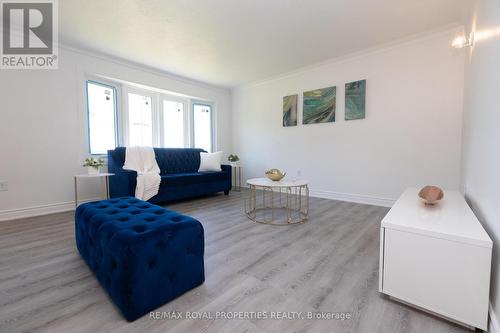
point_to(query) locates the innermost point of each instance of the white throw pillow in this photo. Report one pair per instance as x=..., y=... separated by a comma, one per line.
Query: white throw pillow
x=210, y=161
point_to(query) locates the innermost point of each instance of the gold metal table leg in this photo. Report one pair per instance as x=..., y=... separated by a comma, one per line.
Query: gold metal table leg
x=272, y=210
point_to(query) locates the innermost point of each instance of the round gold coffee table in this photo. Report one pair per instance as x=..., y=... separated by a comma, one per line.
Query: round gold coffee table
x=281, y=202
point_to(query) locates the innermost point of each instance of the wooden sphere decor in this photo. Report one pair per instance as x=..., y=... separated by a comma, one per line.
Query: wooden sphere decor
x=431, y=194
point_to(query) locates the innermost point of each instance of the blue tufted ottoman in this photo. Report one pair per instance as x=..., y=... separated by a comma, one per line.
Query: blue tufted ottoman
x=142, y=254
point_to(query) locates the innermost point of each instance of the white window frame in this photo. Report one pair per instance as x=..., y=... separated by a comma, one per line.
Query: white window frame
x=194, y=102
x=122, y=113
x=155, y=116
x=118, y=116
x=186, y=128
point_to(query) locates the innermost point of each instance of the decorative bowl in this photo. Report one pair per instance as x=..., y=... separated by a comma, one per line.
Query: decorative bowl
x=275, y=174
x=431, y=194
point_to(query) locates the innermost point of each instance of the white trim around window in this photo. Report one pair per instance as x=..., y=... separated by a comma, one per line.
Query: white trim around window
x=186, y=118
x=122, y=92
x=125, y=113
x=213, y=143
x=118, y=116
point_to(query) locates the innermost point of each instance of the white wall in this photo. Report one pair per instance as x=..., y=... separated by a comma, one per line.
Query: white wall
x=411, y=135
x=481, y=157
x=42, y=127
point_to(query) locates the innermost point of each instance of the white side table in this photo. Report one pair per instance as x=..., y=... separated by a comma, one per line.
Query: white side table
x=97, y=175
x=236, y=175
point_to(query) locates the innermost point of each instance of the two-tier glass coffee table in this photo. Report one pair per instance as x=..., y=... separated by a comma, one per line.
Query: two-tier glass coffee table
x=281, y=202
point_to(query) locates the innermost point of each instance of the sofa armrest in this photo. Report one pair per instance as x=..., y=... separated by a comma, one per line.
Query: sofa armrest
x=228, y=170
x=122, y=184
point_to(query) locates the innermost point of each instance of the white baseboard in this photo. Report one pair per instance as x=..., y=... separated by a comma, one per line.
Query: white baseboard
x=67, y=206
x=13, y=214
x=494, y=322
x=19, y=213
x=357, y=198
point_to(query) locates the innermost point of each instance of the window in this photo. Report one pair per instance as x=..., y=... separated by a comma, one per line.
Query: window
x=173, y=124
x=101, y=117
x=149, y=117
x=202, y=126
x=140, y=120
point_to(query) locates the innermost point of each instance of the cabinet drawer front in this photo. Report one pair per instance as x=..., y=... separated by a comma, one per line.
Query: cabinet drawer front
x=445, y=277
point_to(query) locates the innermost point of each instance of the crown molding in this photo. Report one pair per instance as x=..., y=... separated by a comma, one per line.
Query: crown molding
x=402, y=42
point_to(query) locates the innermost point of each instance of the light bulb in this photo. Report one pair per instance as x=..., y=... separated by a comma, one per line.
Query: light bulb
x=459, y=42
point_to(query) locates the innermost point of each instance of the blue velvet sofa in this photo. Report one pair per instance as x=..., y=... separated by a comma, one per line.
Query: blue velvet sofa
x=180, y=178
x=143, y=255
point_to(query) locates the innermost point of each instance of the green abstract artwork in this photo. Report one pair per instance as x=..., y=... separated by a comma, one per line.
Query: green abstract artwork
x=355, y=93
x=290, y=110
x=319, y=106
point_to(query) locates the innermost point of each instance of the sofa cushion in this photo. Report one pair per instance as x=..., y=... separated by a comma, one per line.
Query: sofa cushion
x=210, y=161
x=170, y=160
x=178, y=160
x=177, y=179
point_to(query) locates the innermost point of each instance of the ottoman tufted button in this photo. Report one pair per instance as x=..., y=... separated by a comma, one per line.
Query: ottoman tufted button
x=124, y=219
x=150, y=219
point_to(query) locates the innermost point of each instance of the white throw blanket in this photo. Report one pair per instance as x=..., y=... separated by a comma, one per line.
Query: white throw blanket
x=143, y=161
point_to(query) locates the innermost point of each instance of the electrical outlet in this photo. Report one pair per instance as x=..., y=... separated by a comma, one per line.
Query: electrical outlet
x=4, y=186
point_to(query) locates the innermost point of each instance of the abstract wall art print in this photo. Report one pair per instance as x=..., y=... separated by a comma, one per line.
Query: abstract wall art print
x=319, y=105
x=290, y=110
x=355, y=93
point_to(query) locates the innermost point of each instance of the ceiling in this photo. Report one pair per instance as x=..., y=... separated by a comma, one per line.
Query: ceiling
x=232, y=42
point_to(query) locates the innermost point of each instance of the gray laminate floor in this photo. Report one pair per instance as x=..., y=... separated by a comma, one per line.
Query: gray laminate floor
x=329, y=264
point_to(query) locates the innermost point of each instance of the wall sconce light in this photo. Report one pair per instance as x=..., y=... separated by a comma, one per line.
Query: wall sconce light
x=461, y=41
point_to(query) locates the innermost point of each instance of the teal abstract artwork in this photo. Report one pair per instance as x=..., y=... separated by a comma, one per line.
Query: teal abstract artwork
x=290, y=110
x=355, y=93
x=319, y=106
